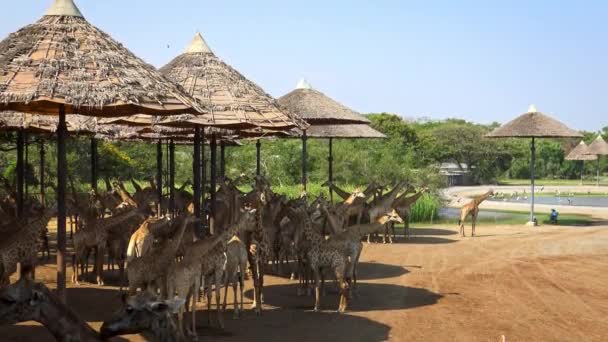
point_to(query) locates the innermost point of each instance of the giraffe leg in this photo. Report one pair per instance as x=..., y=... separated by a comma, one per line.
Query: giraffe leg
x=218, y=289
x=317, y=289
x=209, y=289
x=241, y=286
x=99, y=259
x=226, y=285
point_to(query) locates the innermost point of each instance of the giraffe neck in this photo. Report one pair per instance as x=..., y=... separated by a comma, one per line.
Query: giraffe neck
x=63, y=324
x=408, y=201
x=117, y=219
x=477, y=200
x=163, y=330
x=359, y=231
x=344, y=194
x=310, y=234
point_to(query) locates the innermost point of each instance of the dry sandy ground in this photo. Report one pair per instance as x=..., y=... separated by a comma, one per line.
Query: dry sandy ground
x=527, y=284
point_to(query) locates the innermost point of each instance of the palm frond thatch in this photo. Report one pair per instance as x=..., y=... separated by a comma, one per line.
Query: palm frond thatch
x=318, y=109
x=534, y=125
x=63, y=59
x=598, y=147
x=231, y=100
x=581, y=152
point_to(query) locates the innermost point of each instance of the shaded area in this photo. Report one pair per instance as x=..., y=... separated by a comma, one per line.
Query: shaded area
x=38, y=333
x=372, y=270
x=395, y=297
x=297, y=325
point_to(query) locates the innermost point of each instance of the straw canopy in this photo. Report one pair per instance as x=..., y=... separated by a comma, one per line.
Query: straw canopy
x=534, y=124
x=349, y=131
x=45, y=124
x=64, y=60
x=598, y=147
x=317, y=108
x=581, y=152
x=227, y=97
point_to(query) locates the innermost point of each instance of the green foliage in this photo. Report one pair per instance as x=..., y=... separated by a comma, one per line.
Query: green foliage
x=426, y=209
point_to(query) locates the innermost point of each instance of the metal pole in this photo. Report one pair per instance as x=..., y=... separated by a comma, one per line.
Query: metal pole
x=222, y=159
x=258, y=153
x=172, y=178
x=532, y=170
x=598, y=170
x=61, y=207
x=42, y=188
x=94, y=164
x=26, y=165
x=20, y=170
x=330, y=161
x=159, y=175
x=213, y=182
x=304, y=162
x=196, y=169
x=204, y=180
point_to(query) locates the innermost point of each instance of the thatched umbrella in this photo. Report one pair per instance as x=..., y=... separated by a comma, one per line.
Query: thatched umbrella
x=534, y=125
x=328, y=119
x=581, y=153
x=231, y=100
x=64, y=65
x=598, y=147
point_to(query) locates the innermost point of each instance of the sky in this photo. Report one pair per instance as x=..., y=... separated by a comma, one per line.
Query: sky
x=482, y=61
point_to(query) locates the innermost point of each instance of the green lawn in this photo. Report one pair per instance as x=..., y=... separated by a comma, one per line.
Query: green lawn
x=516, y=218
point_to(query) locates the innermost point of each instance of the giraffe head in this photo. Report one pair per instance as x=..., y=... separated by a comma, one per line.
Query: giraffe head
x=24, y=300
x=143, y=312
x=357, y=193
x=391, y=216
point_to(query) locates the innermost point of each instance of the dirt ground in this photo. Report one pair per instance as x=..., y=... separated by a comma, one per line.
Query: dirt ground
x=526, y=284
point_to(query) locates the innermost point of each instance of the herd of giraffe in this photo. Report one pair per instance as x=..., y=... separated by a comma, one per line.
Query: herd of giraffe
x=167, y=263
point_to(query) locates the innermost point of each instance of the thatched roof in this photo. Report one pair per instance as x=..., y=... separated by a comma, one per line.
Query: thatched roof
x=580, y=152
x=349, y=131
x=229, y=98
x=317, y=108
x=63, y=59
x=534, y=124
x=44, y=124
x=598, y=147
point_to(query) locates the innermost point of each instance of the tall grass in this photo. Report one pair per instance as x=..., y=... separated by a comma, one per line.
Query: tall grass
x=426, y=208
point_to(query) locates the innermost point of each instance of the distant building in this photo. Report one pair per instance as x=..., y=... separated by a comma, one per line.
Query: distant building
x=456, y=175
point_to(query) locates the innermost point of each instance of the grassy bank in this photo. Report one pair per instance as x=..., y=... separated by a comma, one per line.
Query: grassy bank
x=553, y=182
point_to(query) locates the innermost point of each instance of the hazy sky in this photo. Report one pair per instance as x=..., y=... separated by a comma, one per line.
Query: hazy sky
x=480, y=60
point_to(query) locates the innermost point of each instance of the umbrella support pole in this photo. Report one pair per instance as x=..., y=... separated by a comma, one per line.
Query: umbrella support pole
x=172, y=178
x=94, y=164
x=598, y=170
x=159, y=177
x=222, y=159
x=213, y=180
x=304, y=163
x=203, y=181
x=61, y=205
x=330, y=161
x=20, y=170
x=533, y=221
x=258, y=156
x=41, y=180
x=196, y=170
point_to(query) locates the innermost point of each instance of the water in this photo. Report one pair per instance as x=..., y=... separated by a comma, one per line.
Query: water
x=563, y=200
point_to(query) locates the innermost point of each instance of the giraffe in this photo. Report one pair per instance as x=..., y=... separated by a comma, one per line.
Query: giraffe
x=183, y=279
x=349, y=241
x=322, y=254
x=147, y=270
x=383, y=205
x=335, y=219
x=472, y=208
x=141, y=241
x=27, y=300
x=124, y=194
x=236, y=267
x=213, y=263
x=145, y=313
x=21, y=246
x=94, y=235
x=403, y=206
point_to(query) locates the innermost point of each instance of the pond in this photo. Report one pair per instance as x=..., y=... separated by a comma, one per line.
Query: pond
x=581, y=201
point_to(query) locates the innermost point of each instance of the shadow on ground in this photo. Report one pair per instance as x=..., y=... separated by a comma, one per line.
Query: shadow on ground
x=394, y=297
x=37, y=333
x=294, y=325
